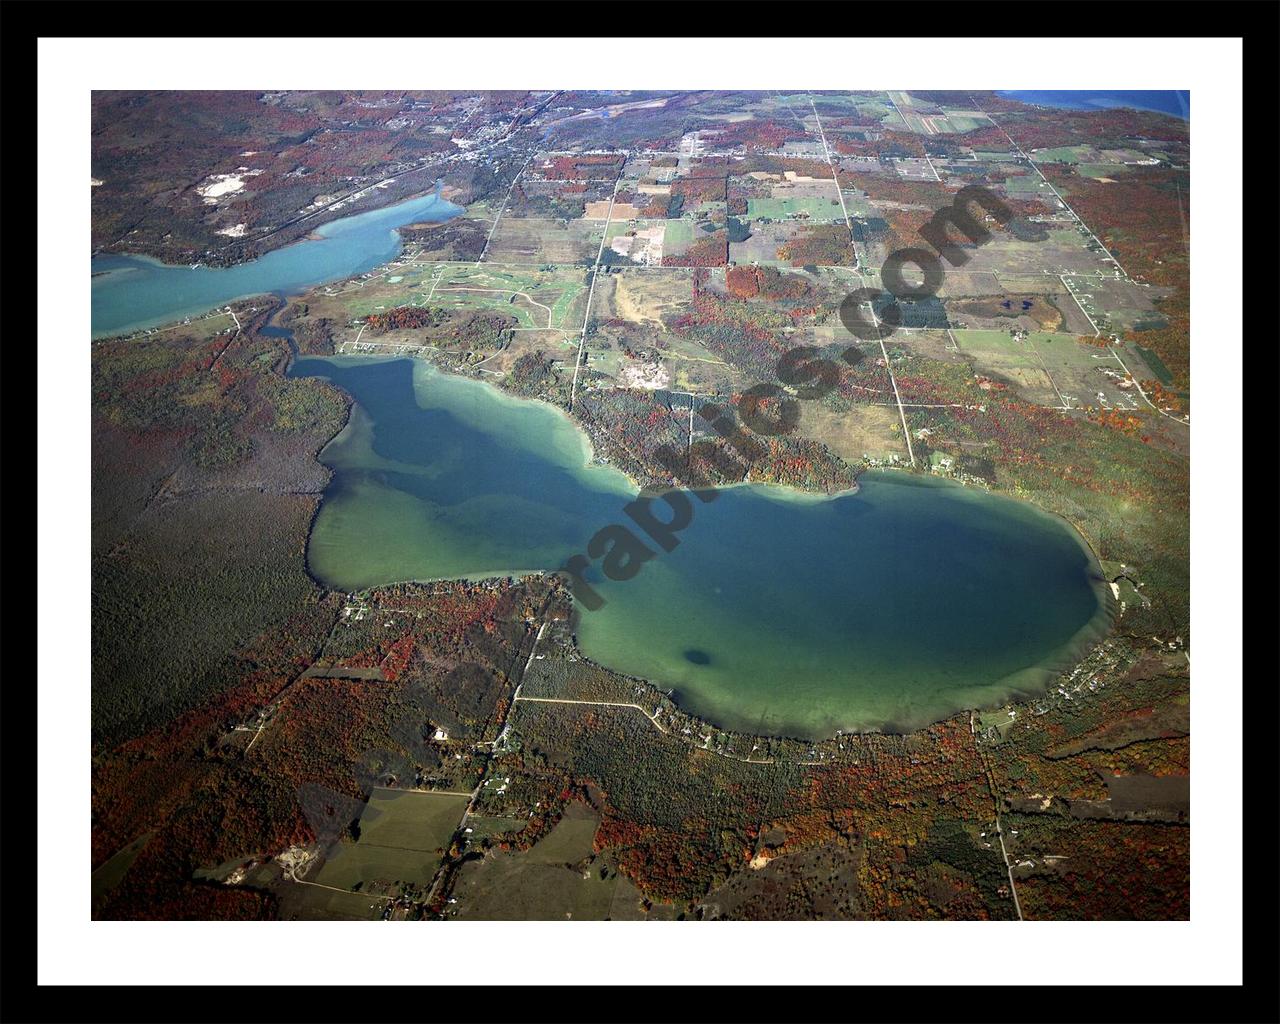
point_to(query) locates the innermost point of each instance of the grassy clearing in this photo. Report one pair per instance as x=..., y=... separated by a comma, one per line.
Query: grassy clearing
x=510, y=887
x=997, y=354
x=558, y=879
x=493, y=826
x=964, y=122
x=571, y=840
x=873, y=108
x=354, y=866
x=1084, y=374
x=312, y=903
x=678, y=235
x=1025, y=183
x=538, y=240
x=649, y=296
x=402, y=839
x=1101, y=170
x=530, y=294
x=864, y=430
x=814, y=208
x=1062, y=155
x=417, y=821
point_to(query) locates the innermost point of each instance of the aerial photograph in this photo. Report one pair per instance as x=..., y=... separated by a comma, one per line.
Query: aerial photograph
x=640, y=505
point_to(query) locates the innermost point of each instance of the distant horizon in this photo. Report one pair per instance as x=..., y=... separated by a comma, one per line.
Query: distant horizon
x=1175, y=102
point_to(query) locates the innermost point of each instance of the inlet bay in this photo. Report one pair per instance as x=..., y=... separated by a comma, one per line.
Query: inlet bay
x=133, y=292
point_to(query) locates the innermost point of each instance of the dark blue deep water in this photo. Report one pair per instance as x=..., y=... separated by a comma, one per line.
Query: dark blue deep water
x=1164, y=101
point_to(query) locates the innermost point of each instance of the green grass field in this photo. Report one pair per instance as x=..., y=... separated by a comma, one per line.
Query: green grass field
x=993, y=344
x=1049, y=367
x=1024, y=183
x=1068, y=238
x=403, y=836
x=526, y=293
x=963, y=122
x=679, y=233
x=540, y=885
x=873, y=108
x=418, y=821
x=570, y=841
x=1064, y=350
x=1062, y=155
x=1100, y=170
x=357, y=865
x=311, y=903
x=816, y=209
x=622, y=227
x=995, y=352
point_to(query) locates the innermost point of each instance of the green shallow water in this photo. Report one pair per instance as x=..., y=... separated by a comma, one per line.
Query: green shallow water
x=884, y=609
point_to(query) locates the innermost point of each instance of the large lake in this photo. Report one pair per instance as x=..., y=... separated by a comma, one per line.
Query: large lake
x=133, y=292
x=888, y=608
x=1162, y=101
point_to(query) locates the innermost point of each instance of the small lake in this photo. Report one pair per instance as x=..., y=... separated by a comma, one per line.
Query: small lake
x=133, y=292
x=887, y=608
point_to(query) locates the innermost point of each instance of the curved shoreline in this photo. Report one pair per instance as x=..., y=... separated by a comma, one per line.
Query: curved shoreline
x=202, y=303
x=1029, y=681
x=1020, y=682
x=314, y=232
